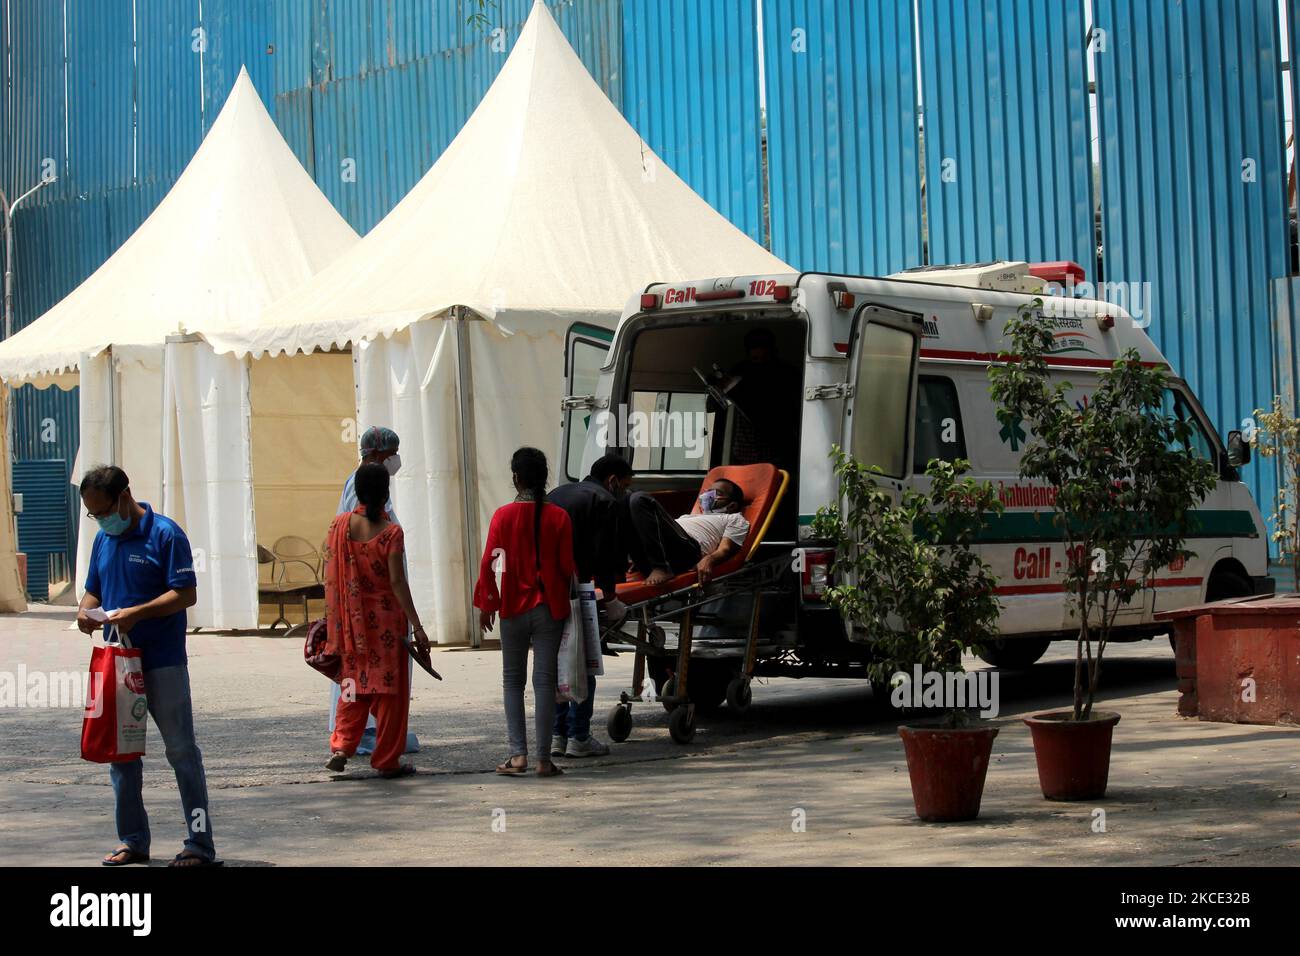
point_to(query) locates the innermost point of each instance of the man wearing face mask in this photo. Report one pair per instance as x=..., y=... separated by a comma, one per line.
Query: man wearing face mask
x=662, y=547
x=597, y=512
x=379, y=447
x=142, y=571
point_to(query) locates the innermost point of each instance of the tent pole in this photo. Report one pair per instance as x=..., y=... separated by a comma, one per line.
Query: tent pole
x=468, y=463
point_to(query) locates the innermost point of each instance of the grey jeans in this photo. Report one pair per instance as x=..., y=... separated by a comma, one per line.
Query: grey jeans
x=538, y=628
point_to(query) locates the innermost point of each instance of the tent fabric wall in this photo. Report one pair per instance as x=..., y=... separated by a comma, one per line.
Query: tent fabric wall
x=96, y=427
x=302, y=433
x=12, y=596
x=207, y=487
x=408, y=383
x=138, y=378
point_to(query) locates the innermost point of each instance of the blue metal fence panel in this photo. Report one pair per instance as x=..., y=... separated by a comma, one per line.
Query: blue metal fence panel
x=169, y=123
x=37, y=77
x=1194, y=189
x=42, y=526
x=101, y=96
x=696, y=104
x=1008, y=152
x=6, y=133
x=843, y=156
x=238, y=33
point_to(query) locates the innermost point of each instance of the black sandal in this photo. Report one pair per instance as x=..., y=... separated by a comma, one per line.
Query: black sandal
x=131, y=857
x=402, y=770
x=508, y=769
x=198, y=860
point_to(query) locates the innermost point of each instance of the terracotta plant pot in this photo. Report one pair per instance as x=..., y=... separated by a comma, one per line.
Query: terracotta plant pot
x=1073, y=755
x=947, y=767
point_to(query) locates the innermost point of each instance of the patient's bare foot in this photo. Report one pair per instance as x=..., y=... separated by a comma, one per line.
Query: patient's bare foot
x=658, y=576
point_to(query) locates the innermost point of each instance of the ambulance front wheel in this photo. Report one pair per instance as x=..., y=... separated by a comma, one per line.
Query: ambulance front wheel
x=681, y=723
x=619, y=724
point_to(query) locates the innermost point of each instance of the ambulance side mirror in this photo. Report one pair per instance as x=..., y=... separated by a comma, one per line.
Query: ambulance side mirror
x=1238, y=450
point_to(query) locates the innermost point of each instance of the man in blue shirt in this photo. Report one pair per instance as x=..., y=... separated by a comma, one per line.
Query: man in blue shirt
x=141, y=572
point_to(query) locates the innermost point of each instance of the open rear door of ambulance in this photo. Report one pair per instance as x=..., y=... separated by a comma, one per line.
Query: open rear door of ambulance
x=880, y=398
x=586, y=349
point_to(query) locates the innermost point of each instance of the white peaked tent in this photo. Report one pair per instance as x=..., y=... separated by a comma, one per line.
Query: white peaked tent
x=547, y=209
x=243, y=224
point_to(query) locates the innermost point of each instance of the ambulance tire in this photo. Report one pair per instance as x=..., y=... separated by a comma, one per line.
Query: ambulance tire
x=1224, y=583
x=1015, y=653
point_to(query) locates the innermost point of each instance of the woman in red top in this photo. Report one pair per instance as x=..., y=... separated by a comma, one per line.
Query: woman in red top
x=367, y=606
x=530, y=542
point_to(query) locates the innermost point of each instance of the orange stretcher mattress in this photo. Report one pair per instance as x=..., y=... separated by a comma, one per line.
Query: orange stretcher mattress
x=764, y=485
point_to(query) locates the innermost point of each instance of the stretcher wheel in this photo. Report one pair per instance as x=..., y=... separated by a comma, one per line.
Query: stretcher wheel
x=681, y=724
x=739, y=695
x=669, y=690
x=619, y=724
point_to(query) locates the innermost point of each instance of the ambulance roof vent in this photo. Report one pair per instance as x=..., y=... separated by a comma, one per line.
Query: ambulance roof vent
x=998, y=276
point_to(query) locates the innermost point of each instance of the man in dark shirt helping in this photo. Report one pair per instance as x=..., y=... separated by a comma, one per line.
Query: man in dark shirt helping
x=142, y=574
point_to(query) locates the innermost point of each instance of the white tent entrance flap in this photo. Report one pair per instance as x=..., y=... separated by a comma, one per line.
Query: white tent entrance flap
x=207, y=486
x=118, y=412
x=408, y=383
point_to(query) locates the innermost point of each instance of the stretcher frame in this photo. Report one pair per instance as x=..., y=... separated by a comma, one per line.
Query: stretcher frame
x=752, y=578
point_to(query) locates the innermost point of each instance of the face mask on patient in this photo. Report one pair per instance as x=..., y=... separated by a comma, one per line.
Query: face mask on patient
x=707, y=501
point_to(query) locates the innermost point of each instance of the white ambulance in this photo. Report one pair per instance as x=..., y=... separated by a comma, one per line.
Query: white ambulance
x=895, y=371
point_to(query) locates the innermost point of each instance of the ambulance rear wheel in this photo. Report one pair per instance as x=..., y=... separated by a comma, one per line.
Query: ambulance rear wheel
x=681, y=724
x=619, y=724
x=668, y=689
x=1014, y=653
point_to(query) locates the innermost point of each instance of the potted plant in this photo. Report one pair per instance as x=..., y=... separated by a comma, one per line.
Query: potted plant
x=913, y=582
x=1126, y=479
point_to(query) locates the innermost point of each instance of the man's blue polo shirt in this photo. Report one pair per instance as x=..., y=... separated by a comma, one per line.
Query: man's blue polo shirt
x=134, y=568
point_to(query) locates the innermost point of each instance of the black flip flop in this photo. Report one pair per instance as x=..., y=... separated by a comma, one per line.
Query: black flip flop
x=404, y=770
x=131, y=857
x=176, y=861
x=508, y=769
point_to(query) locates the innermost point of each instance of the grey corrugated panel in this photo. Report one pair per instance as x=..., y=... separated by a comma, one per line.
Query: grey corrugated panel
x=36, y=48
x=1187, y=94
x=1008, y=150
x=101, y=81
x=167, y=84
x=843, y=155
x=42, y=527
x=239, y=34
x=696, y=104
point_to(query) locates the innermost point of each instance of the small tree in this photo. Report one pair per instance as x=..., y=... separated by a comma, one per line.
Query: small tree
x=1125, y=476
x=1277, y=435
x=914, y=582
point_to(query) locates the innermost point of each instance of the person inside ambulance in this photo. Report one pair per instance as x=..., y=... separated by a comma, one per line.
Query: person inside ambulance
x=766, y=394
x=663, y=547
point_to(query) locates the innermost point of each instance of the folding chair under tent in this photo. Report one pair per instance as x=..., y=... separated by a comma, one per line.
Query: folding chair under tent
x=243, y=224
x=545, y=211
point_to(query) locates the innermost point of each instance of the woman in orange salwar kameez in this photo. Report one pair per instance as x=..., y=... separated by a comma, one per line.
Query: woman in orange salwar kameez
x=368, y=607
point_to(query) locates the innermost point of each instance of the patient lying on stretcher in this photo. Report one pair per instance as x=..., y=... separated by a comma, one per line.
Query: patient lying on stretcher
x=662, y=547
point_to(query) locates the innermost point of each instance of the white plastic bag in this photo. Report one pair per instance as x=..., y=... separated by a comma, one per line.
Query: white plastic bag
x=591, y=630
x=571, y=676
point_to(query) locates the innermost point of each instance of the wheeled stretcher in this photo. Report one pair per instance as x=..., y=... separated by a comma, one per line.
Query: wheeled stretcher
x=683, y=603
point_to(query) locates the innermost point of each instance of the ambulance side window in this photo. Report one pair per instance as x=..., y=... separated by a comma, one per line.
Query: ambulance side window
x=1177, y=406
x=939, y=432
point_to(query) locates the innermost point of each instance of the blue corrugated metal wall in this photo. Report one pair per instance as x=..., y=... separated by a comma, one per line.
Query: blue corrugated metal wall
x=842, y=136
x=1194, y=188
x=1187, y=91
x=1007, y=143
x=696, y=104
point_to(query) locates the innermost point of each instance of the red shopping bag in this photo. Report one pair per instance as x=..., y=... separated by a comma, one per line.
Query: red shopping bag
x=113, y=728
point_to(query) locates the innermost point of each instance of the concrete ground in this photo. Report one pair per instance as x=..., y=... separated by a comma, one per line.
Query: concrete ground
x=1182, y=792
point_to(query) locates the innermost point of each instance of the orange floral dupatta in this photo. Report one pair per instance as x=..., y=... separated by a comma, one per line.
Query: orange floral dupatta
x=344, y=618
